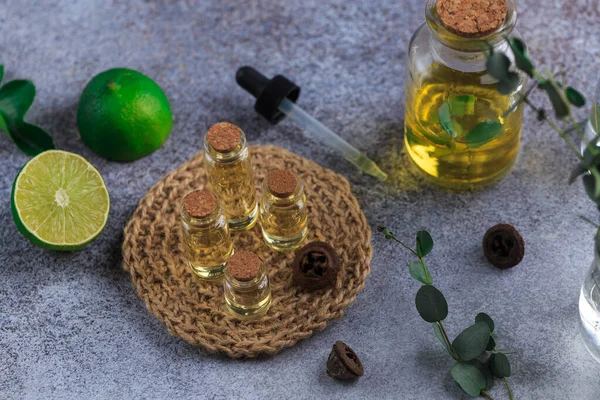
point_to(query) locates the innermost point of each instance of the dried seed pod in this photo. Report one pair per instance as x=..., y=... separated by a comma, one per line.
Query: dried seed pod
x=315, y=266
x=503, y=246
x=343, y=363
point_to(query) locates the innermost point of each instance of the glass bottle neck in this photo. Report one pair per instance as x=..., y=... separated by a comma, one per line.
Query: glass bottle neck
x=239, y=152
x=469, y=44
x=291, y=199
x=238, y=284
x=210, y=220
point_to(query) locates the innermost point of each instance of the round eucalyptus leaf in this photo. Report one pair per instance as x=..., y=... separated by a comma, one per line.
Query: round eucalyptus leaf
x=508, y=84
x=560, y=106
x=521, y=57
x=589, y=183
x=491, y=344
x=418, y=272
x=482, y=133
x=497, y=65
x=471, y=342
x=470, y=379
x=424, y=243
x=431, y=304
x=483, y=317
x=575, y=97
x=499, y=365
x=485, y=370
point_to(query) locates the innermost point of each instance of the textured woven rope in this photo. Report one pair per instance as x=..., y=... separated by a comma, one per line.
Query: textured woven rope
x=193, y=309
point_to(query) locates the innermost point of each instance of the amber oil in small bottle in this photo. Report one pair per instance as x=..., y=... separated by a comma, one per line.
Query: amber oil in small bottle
x=246, y=287
x=207, y=243
x=283, y=212
x=229, y=172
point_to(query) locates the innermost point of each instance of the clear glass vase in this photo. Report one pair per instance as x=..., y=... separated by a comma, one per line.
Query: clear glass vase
x=589, y=299
x=589, y=307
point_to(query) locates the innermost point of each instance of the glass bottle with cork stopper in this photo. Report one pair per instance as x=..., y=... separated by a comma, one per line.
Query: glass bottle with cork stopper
x=246, y=287
x=460, y=130
x=229, y=173
x=283, y=211
x=206, y=239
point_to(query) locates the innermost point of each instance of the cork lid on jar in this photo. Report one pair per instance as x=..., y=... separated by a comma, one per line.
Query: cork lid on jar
x=199, y=203
x=224, y=137
x=472, y=18
x=282, y=183
x=244, y=265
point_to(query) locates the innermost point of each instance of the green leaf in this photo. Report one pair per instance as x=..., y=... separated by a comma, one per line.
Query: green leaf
x=508, y=84
x=28, y=138
x=589, y=183
x=577, y=171
x=16, y=97
x=1, y=72
x=424, y=243
x=418, y=272
x=497, y=65
x=483, y=317
x=521, y=57
x=471, y=342
x=448, y=125
x=559, y=104
x=482, y=133
x=461, y=105
x=438, y=334
x=595, y=119
x=491, y=344
x=431, y=304
x=485, y=370
x=470, y=379
x=575, y=97
x=499, y=365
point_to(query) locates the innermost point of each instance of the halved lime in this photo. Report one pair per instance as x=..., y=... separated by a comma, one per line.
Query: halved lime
x=59, y=201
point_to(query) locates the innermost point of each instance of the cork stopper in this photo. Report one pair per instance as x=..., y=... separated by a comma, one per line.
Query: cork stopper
x=282, y=183
x=224, y=137
x=200, y=203
x=472, y=18
x=244, y=265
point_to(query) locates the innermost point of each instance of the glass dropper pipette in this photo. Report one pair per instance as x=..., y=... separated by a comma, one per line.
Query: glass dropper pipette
x=275, y=99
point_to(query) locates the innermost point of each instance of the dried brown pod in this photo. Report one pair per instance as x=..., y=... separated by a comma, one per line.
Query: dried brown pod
x=503, y=246
x=315, y=266
x=343, y=363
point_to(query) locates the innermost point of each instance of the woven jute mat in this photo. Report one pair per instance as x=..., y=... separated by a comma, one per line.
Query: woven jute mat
x=193, y=309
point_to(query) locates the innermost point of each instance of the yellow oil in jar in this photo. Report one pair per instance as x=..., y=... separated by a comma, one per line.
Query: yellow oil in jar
x=450, y=161
x=233, y=183
x=207, y=250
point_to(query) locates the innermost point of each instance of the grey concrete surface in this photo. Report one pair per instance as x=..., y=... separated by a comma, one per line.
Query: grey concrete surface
x=71, y=325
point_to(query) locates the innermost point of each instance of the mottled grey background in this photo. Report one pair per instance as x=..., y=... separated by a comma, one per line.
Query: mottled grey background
x=71, y=325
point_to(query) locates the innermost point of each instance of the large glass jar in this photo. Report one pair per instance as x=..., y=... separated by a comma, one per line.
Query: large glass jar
x=589, y=306
x=459, y=130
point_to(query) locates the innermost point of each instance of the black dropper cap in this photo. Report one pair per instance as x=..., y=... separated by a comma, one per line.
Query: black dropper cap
x=269, y=93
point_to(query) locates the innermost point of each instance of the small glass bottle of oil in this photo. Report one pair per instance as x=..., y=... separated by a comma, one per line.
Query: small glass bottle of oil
x=459, y=129
x=283, y=212
x=246, y=287
x=229, y=172
x=207, y=243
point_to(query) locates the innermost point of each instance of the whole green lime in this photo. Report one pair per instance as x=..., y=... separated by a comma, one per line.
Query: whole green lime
x=123, y=115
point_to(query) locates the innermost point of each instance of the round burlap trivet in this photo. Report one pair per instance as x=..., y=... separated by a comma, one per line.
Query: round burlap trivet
x=193, y=309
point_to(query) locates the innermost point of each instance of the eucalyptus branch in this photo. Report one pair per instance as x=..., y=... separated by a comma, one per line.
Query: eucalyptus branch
x=510, y=394
x=473, y=376
x=562, y=97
